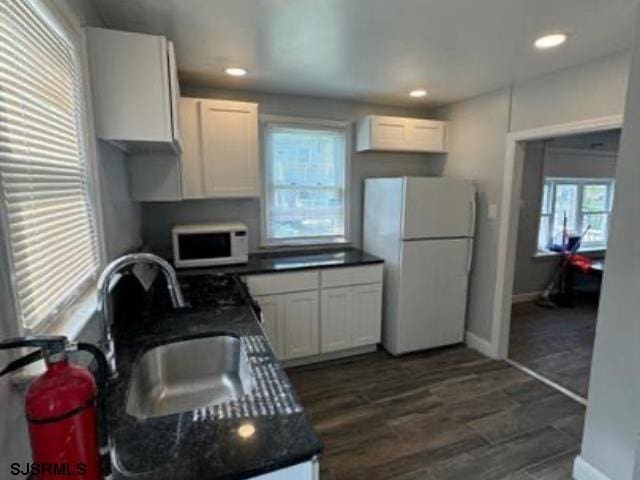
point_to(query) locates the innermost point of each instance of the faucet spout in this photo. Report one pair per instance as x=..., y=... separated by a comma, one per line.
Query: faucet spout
x=104, y=283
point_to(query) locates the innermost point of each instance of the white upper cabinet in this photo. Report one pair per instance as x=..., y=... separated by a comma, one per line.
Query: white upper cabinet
x=399, y=134
x=218, y=158
x=135, y=89
x=219, y=148
x=229, y=148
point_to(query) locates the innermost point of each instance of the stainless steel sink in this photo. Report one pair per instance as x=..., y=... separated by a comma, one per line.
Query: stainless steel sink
x=185, y=375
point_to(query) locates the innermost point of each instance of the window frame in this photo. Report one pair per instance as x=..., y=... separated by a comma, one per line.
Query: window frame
x=266, y=121
x=581, y=183
x=73, y=316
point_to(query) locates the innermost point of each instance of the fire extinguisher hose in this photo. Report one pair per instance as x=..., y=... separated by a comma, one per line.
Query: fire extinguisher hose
x=102, y=380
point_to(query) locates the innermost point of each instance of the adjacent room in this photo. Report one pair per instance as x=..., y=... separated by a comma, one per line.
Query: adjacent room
x=565, y=215
x=319, y=239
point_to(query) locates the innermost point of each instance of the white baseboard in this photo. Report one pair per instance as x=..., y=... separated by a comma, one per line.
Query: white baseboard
x=585, y=471
x=525, y=297
x=480, y=344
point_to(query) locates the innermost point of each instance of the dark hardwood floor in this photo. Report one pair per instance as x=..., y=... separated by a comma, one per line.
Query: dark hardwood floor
x=556, y=343
x=440, y=415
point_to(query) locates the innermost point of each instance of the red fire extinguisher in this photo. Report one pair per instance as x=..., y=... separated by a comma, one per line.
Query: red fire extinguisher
x=62, y=410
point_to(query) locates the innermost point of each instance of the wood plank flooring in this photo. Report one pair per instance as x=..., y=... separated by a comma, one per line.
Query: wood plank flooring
x=555, y=343
x=441, y=415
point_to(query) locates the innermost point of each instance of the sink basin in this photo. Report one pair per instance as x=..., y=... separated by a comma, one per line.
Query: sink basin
x=186, y=375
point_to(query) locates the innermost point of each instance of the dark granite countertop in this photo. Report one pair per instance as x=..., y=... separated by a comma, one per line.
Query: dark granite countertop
x=271, y=262
x=204, y=443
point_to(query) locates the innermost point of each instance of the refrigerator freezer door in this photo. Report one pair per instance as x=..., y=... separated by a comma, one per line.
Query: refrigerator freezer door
x=438, y=208
x=433, y=294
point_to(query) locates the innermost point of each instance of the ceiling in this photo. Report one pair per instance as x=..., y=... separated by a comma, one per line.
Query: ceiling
x=375, y=50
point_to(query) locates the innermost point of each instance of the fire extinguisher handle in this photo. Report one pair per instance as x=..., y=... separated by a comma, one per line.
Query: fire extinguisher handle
x=51, y=343
x=21, y=362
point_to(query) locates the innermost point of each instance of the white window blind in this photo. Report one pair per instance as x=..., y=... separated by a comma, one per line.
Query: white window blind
x=45, y=184
x=305, y=175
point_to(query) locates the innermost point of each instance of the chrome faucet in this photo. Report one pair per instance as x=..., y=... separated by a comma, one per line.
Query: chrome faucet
x=104, y=283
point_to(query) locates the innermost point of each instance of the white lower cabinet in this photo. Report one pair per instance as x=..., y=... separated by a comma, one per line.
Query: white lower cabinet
x=335, y=319
x=290, y=320
x=300, y=325
x=350, y=317
x=366, y=322
x=303, y=471
x=271, y=306
x=339, y=309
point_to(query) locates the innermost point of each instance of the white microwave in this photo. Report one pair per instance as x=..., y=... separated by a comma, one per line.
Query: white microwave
x=210, y=244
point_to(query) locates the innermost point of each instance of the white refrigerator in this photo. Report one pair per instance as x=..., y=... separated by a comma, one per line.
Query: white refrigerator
x=423, y=228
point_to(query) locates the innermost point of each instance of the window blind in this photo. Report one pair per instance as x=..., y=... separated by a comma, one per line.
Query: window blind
x=45, y=184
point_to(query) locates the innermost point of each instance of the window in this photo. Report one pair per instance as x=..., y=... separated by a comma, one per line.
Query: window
x=583, y=203
x=305, y=176
x=44, y=179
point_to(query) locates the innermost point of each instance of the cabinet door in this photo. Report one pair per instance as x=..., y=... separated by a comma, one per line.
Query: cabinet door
x=425, y=135
x=300, y=325
x=366, y=320
x=271, y=306
x=191, y=156
x=174, y=93
x=335, y=319
x=389, y=133
x=229, y=136
x=130, y=86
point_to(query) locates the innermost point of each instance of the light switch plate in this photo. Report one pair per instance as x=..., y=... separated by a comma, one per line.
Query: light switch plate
x=493, y=211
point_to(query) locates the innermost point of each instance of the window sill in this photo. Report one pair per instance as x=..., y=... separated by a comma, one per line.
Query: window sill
x=74, y=319
x=71, y=323
x=304, y=244
x=587, y=251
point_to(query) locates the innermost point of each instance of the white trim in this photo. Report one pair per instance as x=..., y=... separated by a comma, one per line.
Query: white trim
x=479, y=344
x=508, y=227
x=582, y=470
x=541, y=378
x=297, y=121
x=524, y=297
x=280, y=120
x=581, y=152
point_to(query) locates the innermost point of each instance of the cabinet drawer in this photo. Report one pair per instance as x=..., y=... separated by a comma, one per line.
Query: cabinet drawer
x=338, y=277
x=274, y=283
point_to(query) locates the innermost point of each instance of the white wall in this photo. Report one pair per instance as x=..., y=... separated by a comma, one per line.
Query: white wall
x=121, y=216
x=158, y=218
x=476, y=153
x=583, y=92
x=595, y=89
x=613, y=414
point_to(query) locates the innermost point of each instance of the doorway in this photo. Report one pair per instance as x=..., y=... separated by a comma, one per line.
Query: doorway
x=566, y=199
x=515, y=155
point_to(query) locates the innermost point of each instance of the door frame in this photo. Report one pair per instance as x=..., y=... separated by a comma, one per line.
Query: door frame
x=509, y=207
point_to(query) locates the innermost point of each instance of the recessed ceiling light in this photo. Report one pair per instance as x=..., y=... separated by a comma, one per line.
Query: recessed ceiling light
x=235, y=72
x=550, y=41
x=418, y=93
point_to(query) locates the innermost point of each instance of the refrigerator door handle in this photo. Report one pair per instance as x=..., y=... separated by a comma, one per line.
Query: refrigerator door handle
x=469, y=256
x=472, y=217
